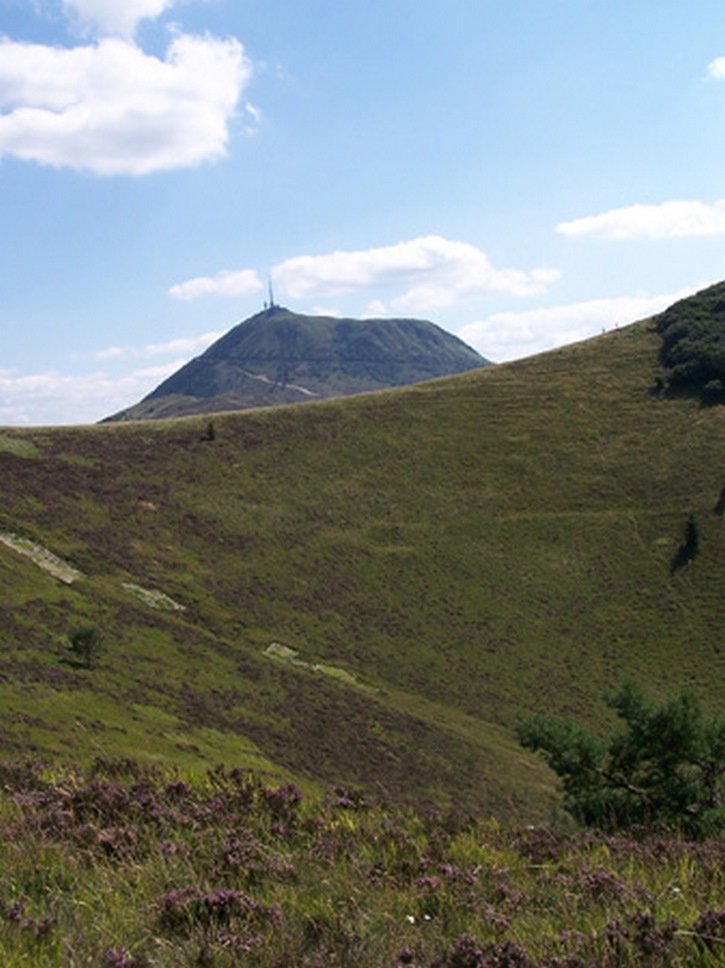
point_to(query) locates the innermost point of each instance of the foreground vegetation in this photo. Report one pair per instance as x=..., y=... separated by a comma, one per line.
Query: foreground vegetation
x=126, y=866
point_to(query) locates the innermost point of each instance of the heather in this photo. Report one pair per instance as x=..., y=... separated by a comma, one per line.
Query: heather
x=121, y=864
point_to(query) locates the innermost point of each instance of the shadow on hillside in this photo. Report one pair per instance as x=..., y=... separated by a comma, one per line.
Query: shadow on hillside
x=707, y=396
x=719, y=508
x=688, y=550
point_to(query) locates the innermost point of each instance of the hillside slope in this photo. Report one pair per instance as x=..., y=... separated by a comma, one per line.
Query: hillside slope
x=371, y=589
x=278, y=356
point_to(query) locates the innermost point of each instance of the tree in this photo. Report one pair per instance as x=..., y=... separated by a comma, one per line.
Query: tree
x=693, y=345
x=664, y=767
x=87, y=643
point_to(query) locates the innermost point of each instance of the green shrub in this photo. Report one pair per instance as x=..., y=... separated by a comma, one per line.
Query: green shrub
x=87, y=643
x=663, y=768
x=693, y=344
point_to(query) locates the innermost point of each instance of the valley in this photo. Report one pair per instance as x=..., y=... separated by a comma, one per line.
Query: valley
x=491, y=543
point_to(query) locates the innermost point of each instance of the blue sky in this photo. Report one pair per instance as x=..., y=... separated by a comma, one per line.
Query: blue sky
x=525, y=174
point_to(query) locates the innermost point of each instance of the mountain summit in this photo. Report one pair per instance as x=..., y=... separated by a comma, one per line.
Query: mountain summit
x=278, y=356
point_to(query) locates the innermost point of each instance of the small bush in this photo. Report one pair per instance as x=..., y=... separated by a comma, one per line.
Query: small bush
x=87, y=644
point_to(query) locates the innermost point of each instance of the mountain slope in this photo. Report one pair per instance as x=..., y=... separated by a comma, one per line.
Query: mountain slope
x=278, y=356
x=372, y=588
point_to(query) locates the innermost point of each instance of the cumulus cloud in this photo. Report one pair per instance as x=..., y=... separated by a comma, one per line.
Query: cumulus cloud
x=53, y=398
x=110, y=109
x=228, y=282
x=668, y=220
x=115, y=16
x=513, y=335
x=432, y=271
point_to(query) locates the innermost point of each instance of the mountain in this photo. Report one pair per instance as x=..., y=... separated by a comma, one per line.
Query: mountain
x=368, y=591
x=278, y=356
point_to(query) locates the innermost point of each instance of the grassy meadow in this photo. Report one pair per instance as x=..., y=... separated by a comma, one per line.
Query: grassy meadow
x=319, y=625
x=368, y=590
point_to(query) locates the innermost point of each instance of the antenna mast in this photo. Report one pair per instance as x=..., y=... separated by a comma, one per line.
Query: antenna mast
x=271, y=293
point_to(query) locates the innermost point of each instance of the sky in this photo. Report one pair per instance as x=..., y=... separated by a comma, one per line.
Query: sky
x=525, y=174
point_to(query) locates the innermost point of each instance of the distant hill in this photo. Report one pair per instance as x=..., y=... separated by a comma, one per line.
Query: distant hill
x=278, y=356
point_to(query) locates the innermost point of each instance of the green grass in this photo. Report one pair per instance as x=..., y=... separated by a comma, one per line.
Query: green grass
x=465, y=549
x=12, y=444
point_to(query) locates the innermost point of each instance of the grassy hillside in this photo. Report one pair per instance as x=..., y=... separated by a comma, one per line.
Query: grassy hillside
x=369, y=590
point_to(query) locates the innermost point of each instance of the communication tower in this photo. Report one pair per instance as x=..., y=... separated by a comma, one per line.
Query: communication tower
x=271, y=304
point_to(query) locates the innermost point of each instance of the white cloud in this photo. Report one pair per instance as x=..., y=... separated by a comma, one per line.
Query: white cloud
x=115, y=16
x=433, y=273
x=332, y=311
x=512, y=335
x=52, y=398
x=255, y=115
x=228, y=282
x=185, y=347
x=716, y=69
x=668, y=220
x=377, y=308
x=111, y=109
